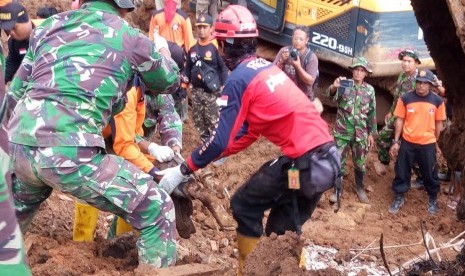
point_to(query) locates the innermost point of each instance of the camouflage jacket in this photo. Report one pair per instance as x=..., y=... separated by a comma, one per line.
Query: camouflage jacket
x=75, y=75
x=356, y=112
x=404, y=84
x=12, y=256
x=160, y=112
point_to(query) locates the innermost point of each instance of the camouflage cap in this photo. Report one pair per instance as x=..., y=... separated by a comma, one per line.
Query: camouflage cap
x=425, y=75
x=361, y=62
x=125, y=4
x=410, y=53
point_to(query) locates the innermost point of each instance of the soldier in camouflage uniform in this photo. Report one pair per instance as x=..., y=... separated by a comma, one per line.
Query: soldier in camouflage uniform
x=355, y=122
x=71, y=82
x=405, y=83
x=125, y=137
x=12, y=256
x=205, y=110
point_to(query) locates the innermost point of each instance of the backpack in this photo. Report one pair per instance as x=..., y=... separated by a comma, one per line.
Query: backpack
x=209, y=76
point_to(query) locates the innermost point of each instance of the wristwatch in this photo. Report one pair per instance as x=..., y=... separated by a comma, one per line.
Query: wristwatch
x=185, y=170
x=394, y=141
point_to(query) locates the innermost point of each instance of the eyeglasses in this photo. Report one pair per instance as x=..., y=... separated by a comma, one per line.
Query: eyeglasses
x=296, y=38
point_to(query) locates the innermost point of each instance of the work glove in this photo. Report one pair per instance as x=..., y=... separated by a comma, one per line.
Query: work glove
x=160, y=42
x=171, y=178
x=161, y=153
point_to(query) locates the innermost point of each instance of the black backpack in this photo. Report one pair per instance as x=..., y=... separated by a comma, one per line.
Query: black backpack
x=209, y=76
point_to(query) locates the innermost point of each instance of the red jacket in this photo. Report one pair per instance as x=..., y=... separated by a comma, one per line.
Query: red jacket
x=259, y=99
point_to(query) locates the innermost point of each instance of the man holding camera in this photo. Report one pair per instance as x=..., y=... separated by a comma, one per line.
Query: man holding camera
x=356, y=121
x=299, y=62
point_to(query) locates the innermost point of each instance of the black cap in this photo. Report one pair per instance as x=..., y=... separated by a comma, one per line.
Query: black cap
x=11, y=14
x=204, y=19
x=425, y=75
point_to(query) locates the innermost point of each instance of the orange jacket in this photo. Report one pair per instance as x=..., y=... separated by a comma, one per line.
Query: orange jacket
x=179, y=30
x=126, y=126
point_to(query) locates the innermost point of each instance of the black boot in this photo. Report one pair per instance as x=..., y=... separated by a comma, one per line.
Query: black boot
x=360, y=187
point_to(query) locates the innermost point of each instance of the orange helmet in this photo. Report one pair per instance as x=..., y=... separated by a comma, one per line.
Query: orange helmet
x=235, y=22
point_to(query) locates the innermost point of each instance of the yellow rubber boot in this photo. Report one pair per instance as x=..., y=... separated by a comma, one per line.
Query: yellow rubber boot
x=85, y=222
x=122, y=226
x=245, y=245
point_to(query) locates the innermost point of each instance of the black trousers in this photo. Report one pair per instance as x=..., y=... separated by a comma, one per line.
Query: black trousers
x=425, y=156
x=268, y=189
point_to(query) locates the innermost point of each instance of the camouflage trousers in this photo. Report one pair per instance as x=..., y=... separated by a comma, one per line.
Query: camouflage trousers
x=12, y=256
x=359, y=153
x=384, y=141
x=104, y=181
x=181, y=105
x=205, y=112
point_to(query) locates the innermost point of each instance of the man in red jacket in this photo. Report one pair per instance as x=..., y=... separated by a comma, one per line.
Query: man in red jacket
x=259, y=99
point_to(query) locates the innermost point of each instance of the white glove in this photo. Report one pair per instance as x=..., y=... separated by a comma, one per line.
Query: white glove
x=171, y=179
x=161, y=153
x=160, y=42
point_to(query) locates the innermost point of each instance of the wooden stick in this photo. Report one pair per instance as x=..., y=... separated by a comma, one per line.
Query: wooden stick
x=383, y=256
x=388, y=246
x=362, y=250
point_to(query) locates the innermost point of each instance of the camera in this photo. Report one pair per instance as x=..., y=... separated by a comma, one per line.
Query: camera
x=345, y=86
x=293, y=53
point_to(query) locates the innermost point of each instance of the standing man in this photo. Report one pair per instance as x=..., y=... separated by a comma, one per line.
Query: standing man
x=17, y=24
x=160, y=4
x=258, y=99
x=73, y=79
x=355, y=121
x=405, y=83
x=299, y=62
x=205, y=110
x=209, y=7
x=172, y=24
x=419, y=121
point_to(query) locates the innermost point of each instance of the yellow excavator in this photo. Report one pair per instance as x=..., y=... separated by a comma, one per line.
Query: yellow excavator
x=341, y=30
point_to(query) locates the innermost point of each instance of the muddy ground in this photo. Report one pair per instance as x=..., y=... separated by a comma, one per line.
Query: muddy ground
x=51, y=250
x=355, y=226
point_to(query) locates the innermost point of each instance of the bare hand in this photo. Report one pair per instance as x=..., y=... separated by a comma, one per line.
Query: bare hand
x=371, y=141
x=285, y=55
x=295, y=62
x=337, y=82
x=394, y=151
x=387, y=117
x=438, y=151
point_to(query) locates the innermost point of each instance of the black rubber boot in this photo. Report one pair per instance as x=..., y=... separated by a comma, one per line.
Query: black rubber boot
x=333, y=197
x=360, y=187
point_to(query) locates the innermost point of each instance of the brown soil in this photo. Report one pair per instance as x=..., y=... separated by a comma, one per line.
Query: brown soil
x=355, y=226
x=51, y=250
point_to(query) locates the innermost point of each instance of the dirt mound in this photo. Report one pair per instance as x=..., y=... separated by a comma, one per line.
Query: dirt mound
x=275, y=255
